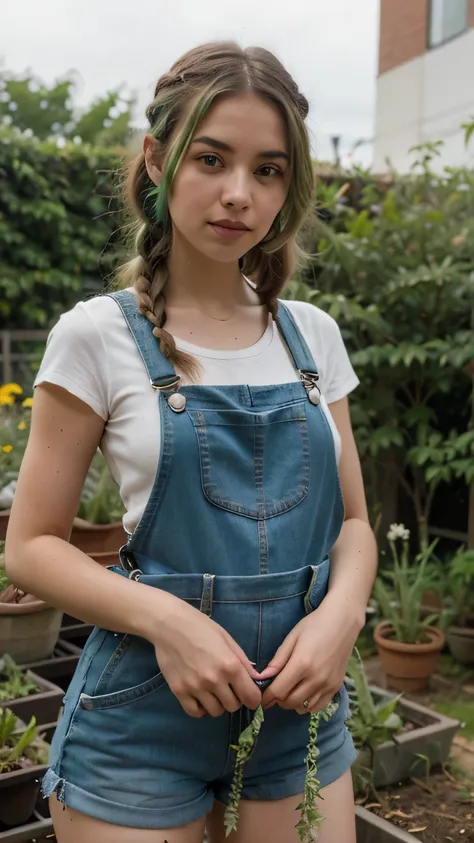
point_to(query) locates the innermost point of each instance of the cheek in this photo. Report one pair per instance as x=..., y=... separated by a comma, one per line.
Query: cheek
x=271, y=203
x=189, y=195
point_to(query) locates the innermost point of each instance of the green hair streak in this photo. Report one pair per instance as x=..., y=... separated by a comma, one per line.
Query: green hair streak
x=160, y=193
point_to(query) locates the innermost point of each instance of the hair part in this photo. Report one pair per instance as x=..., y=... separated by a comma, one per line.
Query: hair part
x=183, y=96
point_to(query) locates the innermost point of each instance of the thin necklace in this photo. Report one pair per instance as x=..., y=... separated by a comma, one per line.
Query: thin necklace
x=218, y=318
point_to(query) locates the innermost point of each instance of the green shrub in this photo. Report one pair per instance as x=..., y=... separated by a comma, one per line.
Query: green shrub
x=58, y=223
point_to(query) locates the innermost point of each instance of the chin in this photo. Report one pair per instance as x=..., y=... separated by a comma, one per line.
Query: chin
x=221, y=254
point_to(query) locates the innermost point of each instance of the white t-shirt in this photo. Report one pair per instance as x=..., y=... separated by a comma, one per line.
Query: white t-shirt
x=92, y=354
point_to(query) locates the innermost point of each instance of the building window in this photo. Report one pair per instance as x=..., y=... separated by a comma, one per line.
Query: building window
x=448, y=18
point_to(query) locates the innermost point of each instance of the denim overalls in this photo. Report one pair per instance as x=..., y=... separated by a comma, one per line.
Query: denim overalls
x=246, y=505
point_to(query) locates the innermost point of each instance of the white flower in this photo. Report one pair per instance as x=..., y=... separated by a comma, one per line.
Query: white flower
x=13, y=106
x=44, y=104
x=61, y=143
x=107, y=123
x=7, y=121
x=398, y=531
x=340, y=297
x=33, y=86
x=77, y=140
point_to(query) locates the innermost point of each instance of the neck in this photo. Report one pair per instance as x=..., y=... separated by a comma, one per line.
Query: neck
x=195, y=278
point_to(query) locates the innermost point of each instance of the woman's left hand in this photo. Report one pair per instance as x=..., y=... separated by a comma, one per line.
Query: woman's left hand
x=310, y=665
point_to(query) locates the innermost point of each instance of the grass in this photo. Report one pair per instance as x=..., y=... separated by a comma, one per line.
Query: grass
x=459, y=710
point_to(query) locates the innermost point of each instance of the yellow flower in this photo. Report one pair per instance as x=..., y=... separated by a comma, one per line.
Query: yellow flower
x=8, y=392
x=28, y=402
x=22, y=426
x=7, y=449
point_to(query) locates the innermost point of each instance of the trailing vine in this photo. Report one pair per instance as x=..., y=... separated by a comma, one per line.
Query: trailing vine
x=311, y=818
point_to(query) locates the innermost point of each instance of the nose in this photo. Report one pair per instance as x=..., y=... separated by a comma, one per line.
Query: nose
x=236, y=191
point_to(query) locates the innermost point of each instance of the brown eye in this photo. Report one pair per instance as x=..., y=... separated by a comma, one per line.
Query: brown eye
x=268, y=170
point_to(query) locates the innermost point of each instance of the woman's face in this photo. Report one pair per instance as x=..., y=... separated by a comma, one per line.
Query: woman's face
x=234, y=179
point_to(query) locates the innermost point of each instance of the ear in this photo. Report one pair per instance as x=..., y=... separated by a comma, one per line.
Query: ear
x=153, y=160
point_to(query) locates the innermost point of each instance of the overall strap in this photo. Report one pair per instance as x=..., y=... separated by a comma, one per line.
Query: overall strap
x=300, y=352
x=295, y=340
x=159, y=369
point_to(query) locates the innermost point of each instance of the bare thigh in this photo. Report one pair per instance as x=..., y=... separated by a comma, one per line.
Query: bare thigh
x=72, y=827
x=261, y=822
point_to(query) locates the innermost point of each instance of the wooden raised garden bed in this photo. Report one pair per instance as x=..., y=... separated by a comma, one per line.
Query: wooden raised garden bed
x=60, y=666
x=75, y=631
x=44, y=706
x=38, y=829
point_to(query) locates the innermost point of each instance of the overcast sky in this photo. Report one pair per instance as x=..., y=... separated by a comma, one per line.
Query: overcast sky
x=330, y=47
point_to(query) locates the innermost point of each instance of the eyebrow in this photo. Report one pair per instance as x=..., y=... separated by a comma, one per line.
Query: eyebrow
x=217, y=144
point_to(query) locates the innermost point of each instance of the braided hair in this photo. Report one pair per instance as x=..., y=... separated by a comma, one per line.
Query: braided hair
x=182, y=98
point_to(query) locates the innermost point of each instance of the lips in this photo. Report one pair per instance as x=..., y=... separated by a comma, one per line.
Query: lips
x=234, y=225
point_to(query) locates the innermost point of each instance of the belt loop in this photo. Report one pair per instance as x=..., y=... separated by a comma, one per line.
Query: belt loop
x=207, y=593
x=307, y=597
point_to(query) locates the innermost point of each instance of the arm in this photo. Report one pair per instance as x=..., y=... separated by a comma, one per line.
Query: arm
x=354, y=556
x=65, y=433
x=197, y=657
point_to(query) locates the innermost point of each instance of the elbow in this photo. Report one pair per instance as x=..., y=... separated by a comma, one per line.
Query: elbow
x=15, y=564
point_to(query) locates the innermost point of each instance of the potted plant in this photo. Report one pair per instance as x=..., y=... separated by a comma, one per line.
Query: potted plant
x=408, y=644
x=29, y=628
x=395, y=738
x=23, y=760
x=27, y=694
x=458, y=617
x=98, y=529
x=371, y=722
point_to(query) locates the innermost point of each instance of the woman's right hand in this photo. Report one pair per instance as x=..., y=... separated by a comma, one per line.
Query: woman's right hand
x=204, y=667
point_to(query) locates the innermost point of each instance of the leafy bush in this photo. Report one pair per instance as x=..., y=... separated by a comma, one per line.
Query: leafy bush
x=57, y=221
x=395, y=267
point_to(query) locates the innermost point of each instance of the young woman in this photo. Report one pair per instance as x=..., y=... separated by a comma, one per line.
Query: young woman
x=223, y=416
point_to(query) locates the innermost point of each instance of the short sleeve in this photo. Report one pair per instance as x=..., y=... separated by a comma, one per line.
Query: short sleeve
x=75, y=359
x=340, y=378
x=326, y=344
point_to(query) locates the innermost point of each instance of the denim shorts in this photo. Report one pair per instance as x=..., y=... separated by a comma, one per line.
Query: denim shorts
x=126, y=753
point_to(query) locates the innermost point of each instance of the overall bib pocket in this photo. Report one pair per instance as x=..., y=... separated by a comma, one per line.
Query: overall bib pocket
x=254, y=464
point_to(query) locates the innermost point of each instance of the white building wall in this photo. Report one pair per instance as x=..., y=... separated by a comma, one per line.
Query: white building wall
x=426, y=100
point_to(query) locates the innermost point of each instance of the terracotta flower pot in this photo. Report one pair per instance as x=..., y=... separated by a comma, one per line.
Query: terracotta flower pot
x=29, y=629
x=431, y=601
x=98, y=538
x=461, y=643
x=408, y=667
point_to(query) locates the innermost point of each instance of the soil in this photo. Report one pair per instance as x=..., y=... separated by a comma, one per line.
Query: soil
x=435, y=810
x=23, y=763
